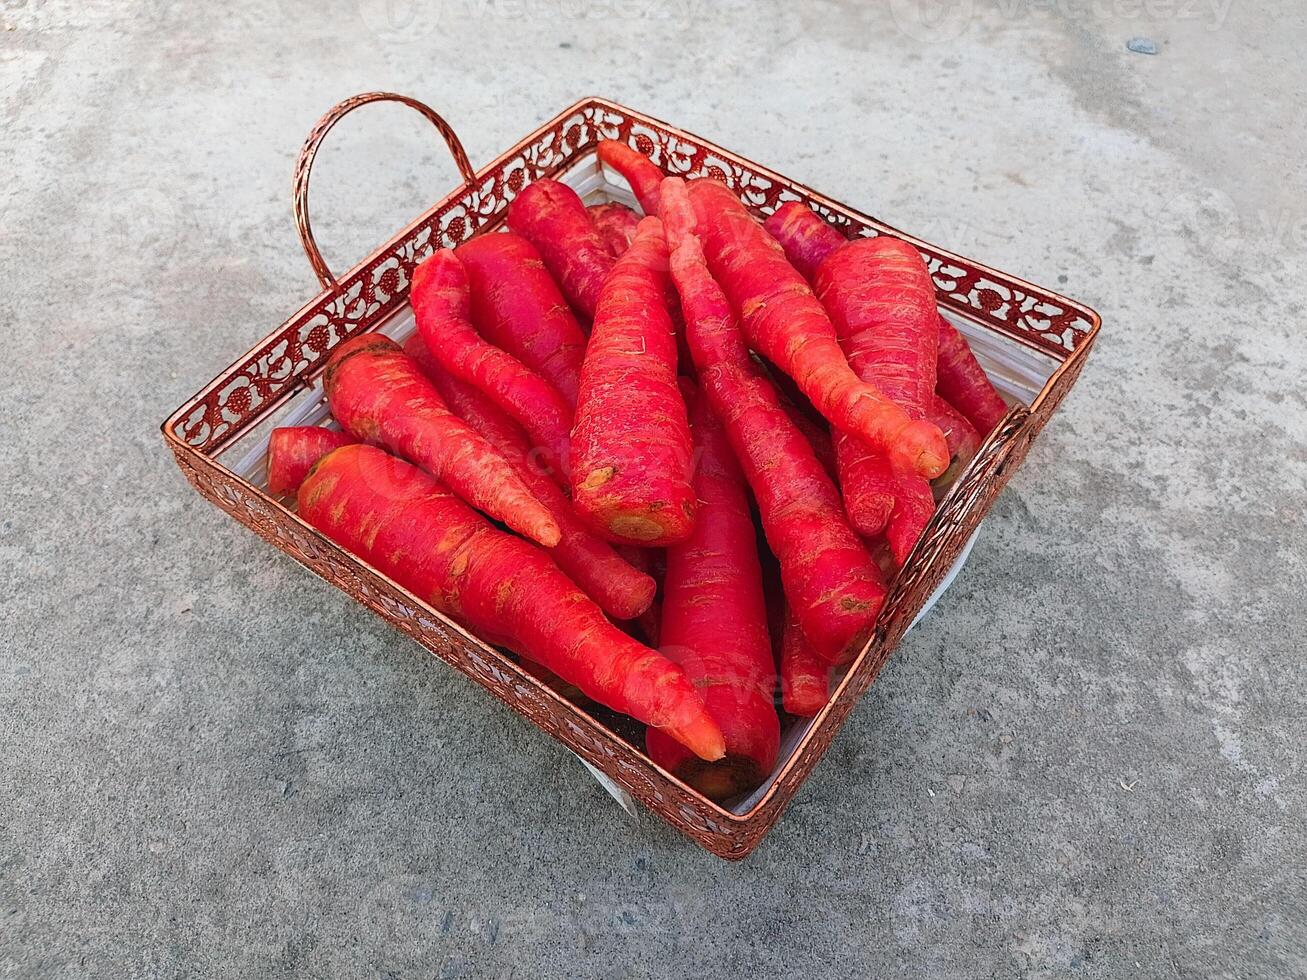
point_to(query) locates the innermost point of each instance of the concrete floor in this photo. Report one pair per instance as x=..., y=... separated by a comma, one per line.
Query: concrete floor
x=1088, y=761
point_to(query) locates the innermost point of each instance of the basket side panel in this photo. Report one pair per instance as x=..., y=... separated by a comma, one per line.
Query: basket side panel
x=955, y=521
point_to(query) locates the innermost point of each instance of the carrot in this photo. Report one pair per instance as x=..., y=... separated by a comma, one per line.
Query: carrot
x=879, y=499
x=616, y=224
x=882, y=303
x=962, y=382
x=553, y=219
x=914, y=506
x=962, y=438
x=715, y=625
x=828, y=578
x=805, y=676
x=651, y=562
x=589, y=561
x=439, y=295
x=865, y=484
x=805, y=237
x=408, y=526
x=818, y=436
x=516, y=305
x=639, y=171
x=808, y=241
x=631, y=462
x=784, y=321
x=378, y=394
x=292, y=451
x=835, y=589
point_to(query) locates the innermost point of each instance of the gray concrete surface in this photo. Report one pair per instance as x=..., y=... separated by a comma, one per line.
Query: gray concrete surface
x=1088, y=762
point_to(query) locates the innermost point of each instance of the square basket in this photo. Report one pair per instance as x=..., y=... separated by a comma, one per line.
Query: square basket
x=1032, y=341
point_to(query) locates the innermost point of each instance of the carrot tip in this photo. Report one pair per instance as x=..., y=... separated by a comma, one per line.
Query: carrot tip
x=922, y=449
x=931, y=465
x=805, y=700
x=700, y=735
x=637, y=603
x=868, y=518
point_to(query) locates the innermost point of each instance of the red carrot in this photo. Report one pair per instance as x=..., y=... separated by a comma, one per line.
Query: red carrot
x=784, y=321
x=589, y=561
x=808, y=241
x=292, y=451
x=516, y=305
x=805, y=676
x=835, y=589
x=805, y=237
x=817, y=434
x=439, y=295
x=879, y=499
x=651, y=562
x=553, y=219
x=616, y=224
x=408, y=526
x=631, y=462
x=828, y=577
x=378, y=394
x=962, y=438
x=865, y=484
x=914, y=506
x=882, y=302
x=962, y=382
x=639, y=171
x=715, y=625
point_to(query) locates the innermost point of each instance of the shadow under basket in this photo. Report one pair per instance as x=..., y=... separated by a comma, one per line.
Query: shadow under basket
x=1033, y=343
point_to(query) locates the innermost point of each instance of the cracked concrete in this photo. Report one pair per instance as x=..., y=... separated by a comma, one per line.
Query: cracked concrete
x=1088, y=761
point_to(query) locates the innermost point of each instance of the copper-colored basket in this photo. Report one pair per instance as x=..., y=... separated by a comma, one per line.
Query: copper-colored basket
x=225, y=421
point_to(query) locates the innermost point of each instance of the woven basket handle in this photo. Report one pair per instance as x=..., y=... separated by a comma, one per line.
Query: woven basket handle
x=304, y=165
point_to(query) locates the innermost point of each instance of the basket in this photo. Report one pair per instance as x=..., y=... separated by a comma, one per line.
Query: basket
x=1032, y=341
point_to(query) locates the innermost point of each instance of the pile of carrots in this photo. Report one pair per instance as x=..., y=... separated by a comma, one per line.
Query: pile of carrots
x=599, y=412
